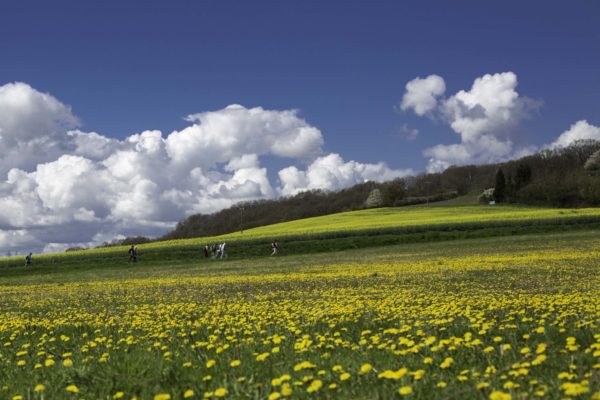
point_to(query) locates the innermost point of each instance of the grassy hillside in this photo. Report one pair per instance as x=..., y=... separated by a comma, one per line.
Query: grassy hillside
x=356, y=229
x=414, y=216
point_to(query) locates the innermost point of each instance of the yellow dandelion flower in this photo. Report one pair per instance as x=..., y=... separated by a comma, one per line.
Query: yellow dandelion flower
x=286, y=389
x=72, y=389
x=365, y=368
x=447, y=362
x=574, y=389
x=314, y=386
x=188, y=393
x=498, y=395
x=304, y=365
x=262, y=357
x=405, y=390
x=221, y=392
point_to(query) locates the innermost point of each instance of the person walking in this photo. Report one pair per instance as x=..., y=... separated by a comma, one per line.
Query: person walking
x=275, y=248
x=132, y=254
x=28, y=259
x=222, y=250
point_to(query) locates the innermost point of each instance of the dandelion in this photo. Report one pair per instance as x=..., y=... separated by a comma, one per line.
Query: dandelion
x=541, y=348
x=221, y=392
x=188, y=393
x=447, y=362
x=68, y=363
x=304, y=365
x=262, y=357
x=235, y=363
x=162, y=396
x=315, y=386
x=498, y=395
x=574, y=389
x=405, y=390
x=72, y=389
x=39, y=388
x=286, y=390
x=365, y=368
x=118, y=395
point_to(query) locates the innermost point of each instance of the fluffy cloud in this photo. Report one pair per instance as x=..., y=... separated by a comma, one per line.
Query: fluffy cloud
x=484, y=117
x=61, y=186
x=580, y=130
x=32, y=127
x=421, y=94
x=332, y=172
x=234, y=131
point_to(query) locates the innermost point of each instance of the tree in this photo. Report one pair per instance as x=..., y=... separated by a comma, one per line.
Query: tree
x=392, y=192
x=522, y=176
x=592, y=165
x=375, y=199
x=500, y=188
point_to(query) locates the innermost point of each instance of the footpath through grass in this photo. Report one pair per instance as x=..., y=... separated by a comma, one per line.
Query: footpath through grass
x=492, y=318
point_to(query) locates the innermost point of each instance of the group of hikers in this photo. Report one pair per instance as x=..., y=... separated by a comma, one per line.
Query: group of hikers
x=214, y=251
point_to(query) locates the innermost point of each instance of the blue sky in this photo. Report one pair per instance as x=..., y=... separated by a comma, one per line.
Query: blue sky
x=128, y=67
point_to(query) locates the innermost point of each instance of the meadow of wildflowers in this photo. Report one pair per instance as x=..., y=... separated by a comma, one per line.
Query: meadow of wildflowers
x=499, y=318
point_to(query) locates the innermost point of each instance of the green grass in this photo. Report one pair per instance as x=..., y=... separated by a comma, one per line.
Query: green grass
x=507, y=293
x=343, y=231
x=133, y=328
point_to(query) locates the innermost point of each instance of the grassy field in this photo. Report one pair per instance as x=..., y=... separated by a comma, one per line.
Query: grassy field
x=403, y=217
x=350, y=230
x=484, y=318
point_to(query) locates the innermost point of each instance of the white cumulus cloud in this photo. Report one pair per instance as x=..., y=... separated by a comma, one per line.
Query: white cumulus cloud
x=421, y=94
x=32, y=127
x=485, y=117
x=61, y=186
x=580, y=130
x=332, y=172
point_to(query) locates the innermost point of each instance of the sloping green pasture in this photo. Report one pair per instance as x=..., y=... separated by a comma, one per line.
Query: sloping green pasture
x=349, y=230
